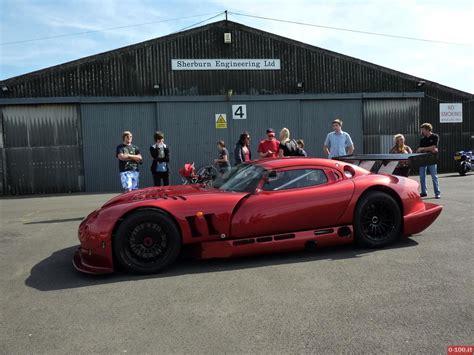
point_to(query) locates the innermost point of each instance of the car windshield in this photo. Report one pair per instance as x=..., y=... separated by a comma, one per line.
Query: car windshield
x=241, y=178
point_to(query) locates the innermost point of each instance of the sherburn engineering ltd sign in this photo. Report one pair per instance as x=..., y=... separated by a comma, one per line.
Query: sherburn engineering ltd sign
x=225, y=64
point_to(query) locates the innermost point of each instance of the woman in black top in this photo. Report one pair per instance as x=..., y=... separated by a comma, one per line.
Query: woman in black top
x=161, y=158
x=288, y=147
x=242, y=149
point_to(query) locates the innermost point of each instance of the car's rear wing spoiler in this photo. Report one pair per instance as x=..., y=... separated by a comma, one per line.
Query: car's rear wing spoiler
x=386, y=163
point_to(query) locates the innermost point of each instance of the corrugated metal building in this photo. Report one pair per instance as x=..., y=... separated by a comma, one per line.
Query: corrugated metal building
x=60, y=126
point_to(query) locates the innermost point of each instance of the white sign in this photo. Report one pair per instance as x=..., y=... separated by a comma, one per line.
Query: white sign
x=225, y=64
x=239, y=112
x=450, y=113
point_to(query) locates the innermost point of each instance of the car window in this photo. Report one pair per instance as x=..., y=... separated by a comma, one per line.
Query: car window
x=242, y=178
x=293, y=179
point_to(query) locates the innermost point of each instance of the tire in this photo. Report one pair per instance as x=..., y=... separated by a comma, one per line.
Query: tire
x=147, y=242
x=377, y=220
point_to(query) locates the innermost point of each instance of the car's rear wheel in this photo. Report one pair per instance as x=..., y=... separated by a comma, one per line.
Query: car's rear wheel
x=146, y=242
x=377, y=220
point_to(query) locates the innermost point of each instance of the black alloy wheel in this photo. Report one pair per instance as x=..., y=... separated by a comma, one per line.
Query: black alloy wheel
x=377, y=220
x=146, y=242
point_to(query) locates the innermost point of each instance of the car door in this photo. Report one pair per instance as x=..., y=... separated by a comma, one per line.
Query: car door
x=290, y=200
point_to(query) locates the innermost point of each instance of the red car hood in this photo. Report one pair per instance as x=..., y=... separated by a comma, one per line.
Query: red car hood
x=164, y=192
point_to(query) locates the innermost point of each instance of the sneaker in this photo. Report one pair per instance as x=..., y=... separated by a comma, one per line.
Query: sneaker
x=438, y=196
x=423, y=194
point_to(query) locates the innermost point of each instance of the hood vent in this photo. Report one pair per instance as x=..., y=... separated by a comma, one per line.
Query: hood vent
x=145, y=195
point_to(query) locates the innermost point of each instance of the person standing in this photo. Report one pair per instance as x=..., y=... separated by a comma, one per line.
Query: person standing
x=300, y=143
x=338, y=142
x=399, y=147
x=268, y=148
x=161, y=158
x=129, y=157
x=223, y=159
x=242, y=151
x=429, y=144
x=288, y=147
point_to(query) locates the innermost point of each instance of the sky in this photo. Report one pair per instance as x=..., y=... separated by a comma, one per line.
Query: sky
x=25, y=23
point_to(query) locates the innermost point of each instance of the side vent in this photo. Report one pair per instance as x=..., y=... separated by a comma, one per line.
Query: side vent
x=192, y=226
x=324, y=231
x=210, y=224
x=202, y=226
x=284, y=236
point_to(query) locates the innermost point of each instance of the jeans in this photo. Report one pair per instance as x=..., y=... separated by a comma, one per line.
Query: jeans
x=434, y=176
x=129, y=180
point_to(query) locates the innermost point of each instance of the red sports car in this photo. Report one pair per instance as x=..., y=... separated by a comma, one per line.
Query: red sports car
x=264, y=206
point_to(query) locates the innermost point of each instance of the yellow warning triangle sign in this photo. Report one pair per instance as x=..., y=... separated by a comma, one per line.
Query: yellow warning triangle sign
x=221, y=121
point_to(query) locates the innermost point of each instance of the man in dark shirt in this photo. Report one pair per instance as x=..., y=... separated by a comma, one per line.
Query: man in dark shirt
x=429, y=144
x=129, y=157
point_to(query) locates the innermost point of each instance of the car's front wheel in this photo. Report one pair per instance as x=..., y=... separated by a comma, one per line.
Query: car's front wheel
x=146, y=242
x=377, y=220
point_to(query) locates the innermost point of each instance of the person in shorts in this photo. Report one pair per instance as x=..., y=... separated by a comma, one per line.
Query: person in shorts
x=129, y=158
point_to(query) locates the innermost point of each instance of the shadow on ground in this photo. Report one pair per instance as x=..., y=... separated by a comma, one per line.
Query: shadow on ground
x=450, y=176
x=56, y=220
x=57, y=273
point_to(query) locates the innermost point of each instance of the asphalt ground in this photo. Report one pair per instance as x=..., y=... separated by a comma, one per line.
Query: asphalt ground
x=414, y=297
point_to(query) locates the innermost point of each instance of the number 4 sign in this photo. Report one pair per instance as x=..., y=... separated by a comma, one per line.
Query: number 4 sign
x=239, y=112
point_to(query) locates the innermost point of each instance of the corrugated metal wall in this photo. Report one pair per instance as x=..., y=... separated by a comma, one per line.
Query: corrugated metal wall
x=134, y=70
x=452, y=136
x=102, y=127
x=43, y=150
x=191, y=133
x=317, y=117
x=385, y=118
x=42, y=147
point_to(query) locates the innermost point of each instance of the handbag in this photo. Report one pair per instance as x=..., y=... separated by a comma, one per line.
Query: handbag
x=162, y=167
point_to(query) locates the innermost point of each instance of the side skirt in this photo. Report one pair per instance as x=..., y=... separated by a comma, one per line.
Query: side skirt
x=277, y=243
